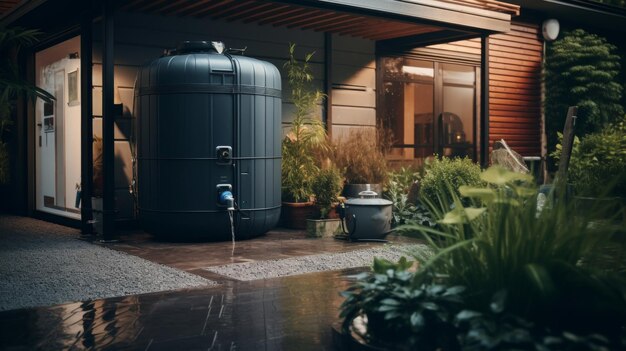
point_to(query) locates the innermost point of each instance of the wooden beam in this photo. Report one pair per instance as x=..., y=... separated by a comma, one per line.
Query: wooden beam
x=153, y=5
x=204, y=9
x=334, y=19
x=185, y=10
x=349, y=23
x=311, y=19
x=227, y=9
x=283, y=21
x=271, y=13
x=240, y=15
x=166, y=9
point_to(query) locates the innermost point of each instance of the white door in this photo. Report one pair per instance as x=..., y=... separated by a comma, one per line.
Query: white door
x=57, y=156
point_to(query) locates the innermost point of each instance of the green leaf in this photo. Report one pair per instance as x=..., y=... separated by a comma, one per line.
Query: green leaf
x=467, y=315
x=417, y=320
x=498, y=301
x=455, y=290
x=484, y=194
x=540, y=278
x=462, y=215
x=390, y=302
x=429, y=306
x=501, y=176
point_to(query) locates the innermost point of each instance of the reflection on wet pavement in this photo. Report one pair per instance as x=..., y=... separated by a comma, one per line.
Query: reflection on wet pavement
x=292, y=313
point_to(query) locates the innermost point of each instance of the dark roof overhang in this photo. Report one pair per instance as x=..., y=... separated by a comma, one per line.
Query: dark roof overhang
x=371, y=19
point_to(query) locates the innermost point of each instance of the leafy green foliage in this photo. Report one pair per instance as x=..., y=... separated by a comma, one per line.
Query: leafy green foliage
x=12, y=85
x=506, y=245
x=581, y=70
x=360, y=157
x=401, y=311
x=442, y=179
x=406, y=208
x=598, y=161
x=307, y=133
x=326, y=187
x=496, y=329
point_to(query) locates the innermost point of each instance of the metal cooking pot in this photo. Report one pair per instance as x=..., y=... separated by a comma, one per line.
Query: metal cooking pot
x=366, y=217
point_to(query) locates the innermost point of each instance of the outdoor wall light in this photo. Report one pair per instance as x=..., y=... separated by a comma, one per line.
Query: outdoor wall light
x=550, y=29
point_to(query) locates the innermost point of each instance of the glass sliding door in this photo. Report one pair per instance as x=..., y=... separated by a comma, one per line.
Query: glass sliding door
x=430, y=107
x=57, y=130
x=457, y=119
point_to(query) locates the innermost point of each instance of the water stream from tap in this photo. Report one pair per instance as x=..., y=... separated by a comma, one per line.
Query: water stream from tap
x=232, y=229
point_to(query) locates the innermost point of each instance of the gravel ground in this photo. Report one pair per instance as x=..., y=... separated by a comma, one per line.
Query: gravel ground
x=315, y=263
x=44, y=264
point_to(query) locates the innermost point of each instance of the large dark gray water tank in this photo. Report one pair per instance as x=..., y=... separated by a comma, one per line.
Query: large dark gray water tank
x=190, y=103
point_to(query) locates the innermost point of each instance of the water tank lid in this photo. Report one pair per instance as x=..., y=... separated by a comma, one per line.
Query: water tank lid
x=199, y=46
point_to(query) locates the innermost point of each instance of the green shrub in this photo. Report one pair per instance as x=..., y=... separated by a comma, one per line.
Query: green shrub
x=503, y=276
x=306, y=134
x=401, y=314
x=581, y=70
x=598, y=161
x=406, y=208
x=540, y=259
x=444, y=176
x=361, y=158
x=326, y=187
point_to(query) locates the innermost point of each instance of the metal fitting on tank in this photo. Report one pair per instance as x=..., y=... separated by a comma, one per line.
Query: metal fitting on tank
x=226, y=199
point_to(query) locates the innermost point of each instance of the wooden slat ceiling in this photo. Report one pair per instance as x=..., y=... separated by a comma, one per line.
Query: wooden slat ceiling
x=7, y=5
x=488, y=5
x=283, y=15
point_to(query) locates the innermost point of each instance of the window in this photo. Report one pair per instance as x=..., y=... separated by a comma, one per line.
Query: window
x=430, y=107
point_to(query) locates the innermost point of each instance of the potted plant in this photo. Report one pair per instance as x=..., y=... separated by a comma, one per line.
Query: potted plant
x=326, y=187
x=361, y=159
x=305, y=137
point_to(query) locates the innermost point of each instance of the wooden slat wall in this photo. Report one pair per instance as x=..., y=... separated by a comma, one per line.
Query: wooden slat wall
x=515, y=88
x=467, y=50
x=353, y=85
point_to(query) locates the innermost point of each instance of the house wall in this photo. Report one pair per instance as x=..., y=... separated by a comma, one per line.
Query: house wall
x=515, y=60
x=353, y=85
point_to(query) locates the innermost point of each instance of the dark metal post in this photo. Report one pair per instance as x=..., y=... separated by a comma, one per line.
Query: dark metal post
x=566, y=146
x=86, y=121
x=108, y=122
x=484, y=100
x=328, y=78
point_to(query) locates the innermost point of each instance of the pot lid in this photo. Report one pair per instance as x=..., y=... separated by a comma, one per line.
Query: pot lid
x=368, y=198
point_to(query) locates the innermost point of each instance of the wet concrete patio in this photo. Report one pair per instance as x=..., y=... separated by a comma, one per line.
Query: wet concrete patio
x=291, y=313
x=287, y=313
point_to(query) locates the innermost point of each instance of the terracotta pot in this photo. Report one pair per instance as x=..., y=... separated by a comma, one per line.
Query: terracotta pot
x=295, y=214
